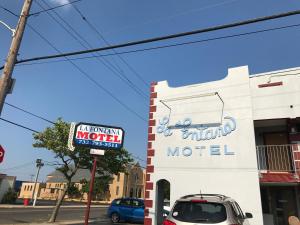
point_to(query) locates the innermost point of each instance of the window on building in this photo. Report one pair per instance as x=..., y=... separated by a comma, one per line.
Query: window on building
x=52, y=190
x=140, y=193
x=117, y=190
x=31, y=188
x=118, y=177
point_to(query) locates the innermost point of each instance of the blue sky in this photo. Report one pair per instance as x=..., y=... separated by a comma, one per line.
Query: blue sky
x=58, y=89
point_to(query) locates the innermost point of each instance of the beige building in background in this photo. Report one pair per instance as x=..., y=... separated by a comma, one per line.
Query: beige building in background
x=56, y=183
x=129, y=184
x=28, y=187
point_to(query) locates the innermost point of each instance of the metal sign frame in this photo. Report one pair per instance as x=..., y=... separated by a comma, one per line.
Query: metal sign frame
x=103, y=147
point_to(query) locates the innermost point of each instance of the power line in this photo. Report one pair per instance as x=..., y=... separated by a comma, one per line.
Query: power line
x=138, y=158
x=56, y=7
x=88, y=76
x=84, y=18
x=136, y=89
x=115, y=71
x=172, y=36
x=19, y=125
x=170, y=45
x=23, y=110
x=182, y=13
x=74, y=36
x=19, y=166
x=9, y=11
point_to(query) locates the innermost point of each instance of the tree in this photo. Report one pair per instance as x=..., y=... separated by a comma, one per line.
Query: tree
x=73, y=191
x=55, y=139
x=9, y=197
x=101, y=187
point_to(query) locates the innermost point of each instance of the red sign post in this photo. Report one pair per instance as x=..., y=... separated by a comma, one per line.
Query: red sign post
x=97, y=138
x=1, y=154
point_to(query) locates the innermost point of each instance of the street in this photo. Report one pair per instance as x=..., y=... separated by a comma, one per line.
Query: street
x=41, y=215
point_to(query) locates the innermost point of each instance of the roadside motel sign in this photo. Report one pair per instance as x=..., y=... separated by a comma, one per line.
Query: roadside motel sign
x=97, y=136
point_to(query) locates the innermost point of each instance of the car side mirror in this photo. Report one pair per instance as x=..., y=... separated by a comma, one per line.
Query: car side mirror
x=248, y=215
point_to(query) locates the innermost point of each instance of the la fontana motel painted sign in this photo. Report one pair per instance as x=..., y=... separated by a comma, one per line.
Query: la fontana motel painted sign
x=198, y=134
x=97, y=136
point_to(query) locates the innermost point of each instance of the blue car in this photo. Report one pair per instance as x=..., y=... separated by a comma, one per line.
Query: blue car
x=126, y=209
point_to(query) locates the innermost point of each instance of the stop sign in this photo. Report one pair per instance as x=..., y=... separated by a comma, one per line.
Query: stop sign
x=1, y=154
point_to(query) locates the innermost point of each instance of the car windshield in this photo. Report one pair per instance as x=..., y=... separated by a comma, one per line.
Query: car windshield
x=199, y=212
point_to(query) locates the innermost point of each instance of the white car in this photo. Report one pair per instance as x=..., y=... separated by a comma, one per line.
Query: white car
x=201, y=209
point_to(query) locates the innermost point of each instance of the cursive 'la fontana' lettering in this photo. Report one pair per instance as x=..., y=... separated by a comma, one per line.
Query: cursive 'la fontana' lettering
x=198, y=133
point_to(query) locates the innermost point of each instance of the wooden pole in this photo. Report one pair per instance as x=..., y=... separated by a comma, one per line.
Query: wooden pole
x=5, y=80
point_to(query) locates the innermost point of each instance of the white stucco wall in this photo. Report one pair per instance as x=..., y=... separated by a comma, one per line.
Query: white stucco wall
x=205, y=165
x=276, y=101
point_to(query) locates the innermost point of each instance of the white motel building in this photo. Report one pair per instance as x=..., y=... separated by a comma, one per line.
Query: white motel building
x=239, y=136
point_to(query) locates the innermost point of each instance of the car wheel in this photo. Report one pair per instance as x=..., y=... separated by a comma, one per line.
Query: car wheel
x=115, y=217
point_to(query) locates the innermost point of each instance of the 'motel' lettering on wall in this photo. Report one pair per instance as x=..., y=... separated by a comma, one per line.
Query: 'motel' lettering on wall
x=200, y=151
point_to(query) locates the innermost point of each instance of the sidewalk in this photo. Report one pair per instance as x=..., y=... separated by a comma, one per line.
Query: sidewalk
x=8, y=206
x=70, y=222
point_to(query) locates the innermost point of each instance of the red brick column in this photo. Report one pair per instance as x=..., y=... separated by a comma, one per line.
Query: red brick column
x=150, y=155
x=296, y=156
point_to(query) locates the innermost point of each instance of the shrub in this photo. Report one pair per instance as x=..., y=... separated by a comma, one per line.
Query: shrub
x=73, y=192
x=9, y=197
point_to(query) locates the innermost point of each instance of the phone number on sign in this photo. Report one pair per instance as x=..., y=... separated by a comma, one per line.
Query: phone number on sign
x=98, y=143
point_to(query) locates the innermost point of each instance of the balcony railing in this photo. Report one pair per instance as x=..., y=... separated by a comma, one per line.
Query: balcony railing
x=276, y=158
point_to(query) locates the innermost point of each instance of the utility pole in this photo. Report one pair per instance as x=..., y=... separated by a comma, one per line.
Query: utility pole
x=6, y=82
x=39, y=165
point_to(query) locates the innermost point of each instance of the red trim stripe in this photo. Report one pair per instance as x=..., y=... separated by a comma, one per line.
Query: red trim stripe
x=150, y=169
x=151, y=152
x=270, y=84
